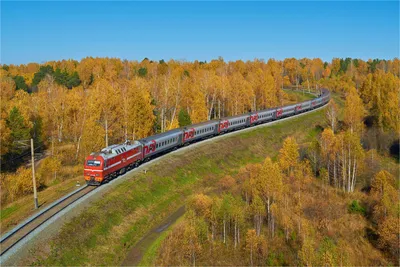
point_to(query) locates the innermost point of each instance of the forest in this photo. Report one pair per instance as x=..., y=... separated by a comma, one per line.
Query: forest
x=278, y=213
x=72, y=108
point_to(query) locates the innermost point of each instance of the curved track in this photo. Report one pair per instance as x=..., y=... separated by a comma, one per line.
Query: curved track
x=18, y=233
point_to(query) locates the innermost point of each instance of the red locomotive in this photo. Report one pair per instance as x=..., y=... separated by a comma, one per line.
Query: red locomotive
x=111, y=162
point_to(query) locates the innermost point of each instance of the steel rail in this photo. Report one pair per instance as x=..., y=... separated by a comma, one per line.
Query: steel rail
x=33, y=218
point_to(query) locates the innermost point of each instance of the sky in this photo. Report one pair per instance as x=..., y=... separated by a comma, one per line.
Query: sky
x=43, y=31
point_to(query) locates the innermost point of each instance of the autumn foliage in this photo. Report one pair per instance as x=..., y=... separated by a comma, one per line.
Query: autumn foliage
x=279, y=213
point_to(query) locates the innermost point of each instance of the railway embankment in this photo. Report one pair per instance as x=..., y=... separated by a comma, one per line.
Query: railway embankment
x=105, y=229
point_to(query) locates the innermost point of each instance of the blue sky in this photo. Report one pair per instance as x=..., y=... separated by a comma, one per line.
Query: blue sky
x=42, y=31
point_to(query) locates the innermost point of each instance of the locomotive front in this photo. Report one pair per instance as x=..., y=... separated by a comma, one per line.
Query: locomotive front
x=93, y=171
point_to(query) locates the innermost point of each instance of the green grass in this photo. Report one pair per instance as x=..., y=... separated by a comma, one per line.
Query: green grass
x=106, y=231
x=5, y=213
x=299, y=95
x=17, y=211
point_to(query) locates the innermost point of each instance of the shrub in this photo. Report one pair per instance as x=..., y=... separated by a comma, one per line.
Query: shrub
x=355, y=207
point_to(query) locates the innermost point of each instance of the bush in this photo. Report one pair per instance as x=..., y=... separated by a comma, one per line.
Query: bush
x=355, y=207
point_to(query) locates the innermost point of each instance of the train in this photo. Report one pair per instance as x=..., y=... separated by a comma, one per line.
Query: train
x=112, y=161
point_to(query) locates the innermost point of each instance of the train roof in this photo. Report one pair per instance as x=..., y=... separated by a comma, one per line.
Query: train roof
x=113, y=150
x=160, y=135
x=199, y=124
x=236, y=116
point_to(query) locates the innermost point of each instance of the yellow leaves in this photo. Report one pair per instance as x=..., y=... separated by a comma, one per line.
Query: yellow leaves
x=201, y=204
x=92, y=137
x=331, y=114
x=139, y=110
x=389, y=233
x=381, y=181
x=198, y=107
x=7, y=91
x=289, y=154
x=265, y=89
x=307, y=252
x=328, y=142
x=5, y=137
x=384, y=191
x=240, y=94
x=22, y=101
x=20, y=182
x=269, y=182
x=48, y=169
x=380, y=92
x=353, y=111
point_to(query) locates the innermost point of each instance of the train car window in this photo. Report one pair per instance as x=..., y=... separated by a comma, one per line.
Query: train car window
x=93, y=163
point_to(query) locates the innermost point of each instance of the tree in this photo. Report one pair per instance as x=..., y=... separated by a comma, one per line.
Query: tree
x=351, y=155
x=49, y=168
x=184, y=118
x=142, y=72
x=19, y=131
x=226, y=213
x=139, y=112
x=289, y=155
x=20, y=83
x=73, y=80
x=389, y=234
x=257, y=209
x=270, y=186
x=380, y=93
x=328, y=145
x=43, y=71
x=332, y=114
x=106, y=99
x=238, y=215
x=384, y=191
x=353, y=111
x=191, y=245
x=251, y=243
x=307, y=252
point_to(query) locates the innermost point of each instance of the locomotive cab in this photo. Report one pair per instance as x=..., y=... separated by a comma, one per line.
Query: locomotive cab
x=93, y=171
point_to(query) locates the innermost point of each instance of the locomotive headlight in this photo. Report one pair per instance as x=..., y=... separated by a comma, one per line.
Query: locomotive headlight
x=97, y=174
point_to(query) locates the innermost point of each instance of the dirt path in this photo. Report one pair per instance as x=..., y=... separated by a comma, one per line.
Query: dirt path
x=135, y=255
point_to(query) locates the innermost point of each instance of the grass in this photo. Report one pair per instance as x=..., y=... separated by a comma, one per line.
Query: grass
x=15, y=212
x=7, y=212
x=150, y=254
x=299, y=96
x=105, y=232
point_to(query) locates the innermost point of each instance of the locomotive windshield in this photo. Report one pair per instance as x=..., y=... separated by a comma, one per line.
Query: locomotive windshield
x=94, y=163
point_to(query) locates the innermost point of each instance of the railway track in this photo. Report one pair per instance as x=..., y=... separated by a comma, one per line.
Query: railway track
x=10, y=239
